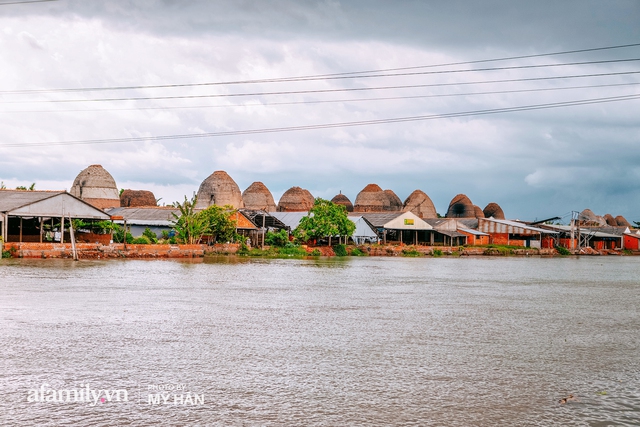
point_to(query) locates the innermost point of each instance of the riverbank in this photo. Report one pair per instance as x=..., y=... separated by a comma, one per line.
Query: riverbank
x=119, y=250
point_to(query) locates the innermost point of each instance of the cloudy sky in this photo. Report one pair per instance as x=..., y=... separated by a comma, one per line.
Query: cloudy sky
x=406, y=94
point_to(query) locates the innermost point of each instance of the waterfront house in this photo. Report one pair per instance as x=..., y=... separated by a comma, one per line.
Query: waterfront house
x=37, y=216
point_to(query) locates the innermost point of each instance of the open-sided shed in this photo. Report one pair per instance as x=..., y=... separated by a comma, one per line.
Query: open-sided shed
x=23, y=214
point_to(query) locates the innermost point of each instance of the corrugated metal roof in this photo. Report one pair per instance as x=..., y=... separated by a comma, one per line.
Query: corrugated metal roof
x=362, y=227
x=378, y=219
x=584, y=231
x=469, y=223
x=160, y=215
x=27, y=204
x=289, y=219
x=13, y=199
x=258, y=218
x=506, y=226
x=474, y=232
x=451, y=233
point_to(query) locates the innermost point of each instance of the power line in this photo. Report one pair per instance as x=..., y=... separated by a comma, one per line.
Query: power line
x=25, y=1
x=335, y=125
x=300, y=92
x=352, y=74
x=343, y=100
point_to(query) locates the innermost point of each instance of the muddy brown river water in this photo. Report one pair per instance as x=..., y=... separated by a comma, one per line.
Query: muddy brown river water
x=325, y=342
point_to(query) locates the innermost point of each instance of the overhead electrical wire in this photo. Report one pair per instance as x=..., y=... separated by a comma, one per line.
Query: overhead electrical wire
x=333, y=125
x=325, y=101
x=352, y=74
x=314, y=91
x=25, y=1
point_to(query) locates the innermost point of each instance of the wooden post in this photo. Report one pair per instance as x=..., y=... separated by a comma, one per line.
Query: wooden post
x=73, y=240
x=400, y=237
x=41, y=223
x=264, y=231
x=62, y=229
x=20, y=238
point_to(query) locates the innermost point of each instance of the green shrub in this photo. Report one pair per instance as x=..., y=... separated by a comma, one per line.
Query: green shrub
x=142, y=240
x=316, y=252
x=436, y=253
x=165, y=234
x=340, y=250
x=244, y=249
x=292, y=250
x=410, y=252
x=117, y=236
x=357, y=252
x=562, y=250
x=279, y=239
x=150, y=235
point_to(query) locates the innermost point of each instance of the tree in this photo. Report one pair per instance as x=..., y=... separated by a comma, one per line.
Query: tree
x=220, y=222
x=637, y=223
x=189, y=226
x=325, y=219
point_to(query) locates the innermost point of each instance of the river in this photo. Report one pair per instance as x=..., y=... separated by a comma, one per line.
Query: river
x=327, y=342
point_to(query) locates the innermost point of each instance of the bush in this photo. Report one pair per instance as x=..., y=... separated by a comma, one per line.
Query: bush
x=562, y=250
x=279, y=239
x=292, y=250
x=436, y=253
x=244, y=249
x=357, y=252
x=117, y=236
x=316, y=252
x=142, y=240
x=150, y=235
x=340, y=250
x=410, y=252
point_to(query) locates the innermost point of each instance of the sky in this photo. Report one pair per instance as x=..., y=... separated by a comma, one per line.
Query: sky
x=531, y=105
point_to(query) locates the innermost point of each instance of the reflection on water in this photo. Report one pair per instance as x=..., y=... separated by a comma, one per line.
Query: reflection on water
x=365, y=341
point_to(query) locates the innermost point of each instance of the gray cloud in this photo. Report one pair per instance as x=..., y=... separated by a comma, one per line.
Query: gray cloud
x=533, y=163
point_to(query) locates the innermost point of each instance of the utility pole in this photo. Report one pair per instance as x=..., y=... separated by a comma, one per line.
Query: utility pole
x=578, y=232
x=573, y=246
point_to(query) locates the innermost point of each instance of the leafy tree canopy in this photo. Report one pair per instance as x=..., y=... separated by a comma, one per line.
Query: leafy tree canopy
x=191, y=225
x=325, y=219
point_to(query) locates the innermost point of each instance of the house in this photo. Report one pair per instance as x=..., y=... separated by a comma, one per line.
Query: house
x=37, y=216
x=401, y=227
x=446, y=232
x=632, y=240
x=364, y=232
x=155, y=218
